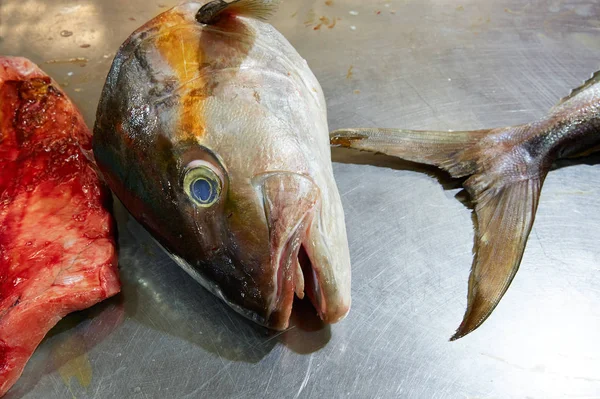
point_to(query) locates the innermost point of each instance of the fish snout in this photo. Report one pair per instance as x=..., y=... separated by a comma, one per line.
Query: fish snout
x=303, y=259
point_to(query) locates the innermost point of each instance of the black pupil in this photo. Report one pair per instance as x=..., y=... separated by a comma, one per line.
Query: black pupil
x=202, y=190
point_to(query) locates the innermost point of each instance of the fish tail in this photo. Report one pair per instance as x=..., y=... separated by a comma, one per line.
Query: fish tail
x=503, y=183
x=212, y=12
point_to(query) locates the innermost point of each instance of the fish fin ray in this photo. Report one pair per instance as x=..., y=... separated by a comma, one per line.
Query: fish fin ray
x=210, y=13
x=446, y=150
x=505, y=213
x=590, y=82
x=505, y=204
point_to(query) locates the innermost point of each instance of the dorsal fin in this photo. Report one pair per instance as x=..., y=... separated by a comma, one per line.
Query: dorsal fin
x=211, y=12
x=590, y=82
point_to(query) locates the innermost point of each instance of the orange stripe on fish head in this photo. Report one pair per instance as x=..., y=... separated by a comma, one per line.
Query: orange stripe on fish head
x=199, y=55
x=179, y=44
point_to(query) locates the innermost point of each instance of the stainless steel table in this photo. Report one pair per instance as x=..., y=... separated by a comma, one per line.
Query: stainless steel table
x=430, y=64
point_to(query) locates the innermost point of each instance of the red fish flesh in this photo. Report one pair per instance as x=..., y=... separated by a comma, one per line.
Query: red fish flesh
x=57, y=250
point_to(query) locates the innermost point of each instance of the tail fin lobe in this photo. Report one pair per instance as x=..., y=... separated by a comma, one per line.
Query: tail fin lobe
x=445, y=150
x=505, y=212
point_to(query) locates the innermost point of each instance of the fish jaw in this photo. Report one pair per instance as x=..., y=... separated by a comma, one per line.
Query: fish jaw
x=300, y=258
x=326, y=246
x=289, y=201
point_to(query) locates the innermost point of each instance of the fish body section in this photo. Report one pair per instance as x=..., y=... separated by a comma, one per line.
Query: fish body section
x=214, y=136
x=504, y=170
x=57, y=251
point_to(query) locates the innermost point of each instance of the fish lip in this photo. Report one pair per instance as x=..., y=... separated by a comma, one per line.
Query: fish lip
x=328, y=296
x=288, y=276
x=289, y=201
x=330, y=307
x=299, y=266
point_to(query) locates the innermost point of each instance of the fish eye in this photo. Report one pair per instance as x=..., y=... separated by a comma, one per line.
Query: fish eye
x=201, y=184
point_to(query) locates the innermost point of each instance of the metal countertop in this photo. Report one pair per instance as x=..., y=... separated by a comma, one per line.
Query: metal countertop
x=430, y=64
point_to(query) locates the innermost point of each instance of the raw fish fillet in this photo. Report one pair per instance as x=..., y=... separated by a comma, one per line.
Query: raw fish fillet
x=57, y=250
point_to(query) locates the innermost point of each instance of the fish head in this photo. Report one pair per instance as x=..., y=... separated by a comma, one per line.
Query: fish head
x=219, y=147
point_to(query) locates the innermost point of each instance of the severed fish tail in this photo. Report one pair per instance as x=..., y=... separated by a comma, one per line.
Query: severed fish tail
x=504, y=182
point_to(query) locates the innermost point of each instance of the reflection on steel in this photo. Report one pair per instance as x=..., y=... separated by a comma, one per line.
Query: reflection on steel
x=433, y=64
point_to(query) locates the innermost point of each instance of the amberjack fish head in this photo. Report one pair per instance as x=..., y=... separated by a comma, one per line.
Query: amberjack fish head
x=215, y=138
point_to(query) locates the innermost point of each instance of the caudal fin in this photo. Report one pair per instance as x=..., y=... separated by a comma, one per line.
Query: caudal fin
x=503, y=185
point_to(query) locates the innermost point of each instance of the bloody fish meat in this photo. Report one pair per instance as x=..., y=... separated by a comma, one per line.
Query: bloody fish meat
x=57, y=251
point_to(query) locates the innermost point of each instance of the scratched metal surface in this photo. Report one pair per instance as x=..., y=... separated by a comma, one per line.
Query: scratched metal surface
x=431, y=64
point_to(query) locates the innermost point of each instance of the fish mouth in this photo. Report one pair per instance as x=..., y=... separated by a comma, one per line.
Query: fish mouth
x=300, y=258
x=296, y=276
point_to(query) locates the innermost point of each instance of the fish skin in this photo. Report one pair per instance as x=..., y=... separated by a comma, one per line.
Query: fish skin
x=237, y=97
x=504, y=169
x=57, y=249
